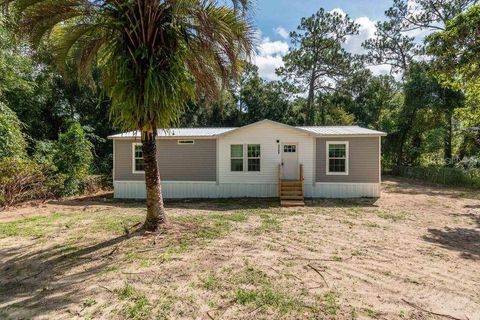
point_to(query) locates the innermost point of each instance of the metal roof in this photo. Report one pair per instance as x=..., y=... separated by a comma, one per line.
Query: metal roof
x=177, y=132
x=211, y=132
x=342, y=130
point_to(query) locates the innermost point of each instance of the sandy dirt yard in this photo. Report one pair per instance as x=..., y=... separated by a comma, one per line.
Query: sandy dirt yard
x=412, y=254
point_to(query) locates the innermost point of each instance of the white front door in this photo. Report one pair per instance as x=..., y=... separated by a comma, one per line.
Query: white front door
x=290, y=161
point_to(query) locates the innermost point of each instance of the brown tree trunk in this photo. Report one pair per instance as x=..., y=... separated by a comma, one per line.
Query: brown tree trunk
x=155, y=209
x=448, y=140
x=310, y=111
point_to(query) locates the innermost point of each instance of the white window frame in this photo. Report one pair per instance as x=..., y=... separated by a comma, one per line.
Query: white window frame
x=237, y=158
x=134, y=158
x=327, y=158
x=185, y=142
x=247, y=157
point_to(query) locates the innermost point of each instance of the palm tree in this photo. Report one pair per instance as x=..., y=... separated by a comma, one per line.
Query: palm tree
x=154, y=55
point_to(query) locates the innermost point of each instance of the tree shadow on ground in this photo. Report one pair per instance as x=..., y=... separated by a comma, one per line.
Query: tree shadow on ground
x=43, y=280
x=343, y=203
x=221, y=204
x=464, y=240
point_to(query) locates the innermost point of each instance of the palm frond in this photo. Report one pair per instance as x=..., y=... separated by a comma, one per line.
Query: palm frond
x=155, y=56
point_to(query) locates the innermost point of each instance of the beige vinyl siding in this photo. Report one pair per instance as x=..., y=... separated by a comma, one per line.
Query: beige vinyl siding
x=177, y=162
x=270, y=137
x=363, y=160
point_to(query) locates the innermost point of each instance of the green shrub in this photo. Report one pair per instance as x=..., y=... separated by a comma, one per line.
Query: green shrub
x=44, y=152
x=21, y=180
x=12, y=140
x=73, y=157
x=441, y=175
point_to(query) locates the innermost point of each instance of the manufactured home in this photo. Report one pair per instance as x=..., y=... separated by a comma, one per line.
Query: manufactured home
x=262, y=159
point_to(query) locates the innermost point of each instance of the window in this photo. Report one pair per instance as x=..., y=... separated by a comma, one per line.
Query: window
x=138, y=165
x=253, y=153
x=290, y=148
x=337, y=158
x=236, y=157
x=185, y=141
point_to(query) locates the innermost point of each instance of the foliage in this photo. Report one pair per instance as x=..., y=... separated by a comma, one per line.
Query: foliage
x=426, y=14
x=391, y=46
x=12, y=139
x=20, y=180
x=73, y=157
x=456, y=55
x=442, y=175
x=317, y=60
x=150, y=74
x=260, y=99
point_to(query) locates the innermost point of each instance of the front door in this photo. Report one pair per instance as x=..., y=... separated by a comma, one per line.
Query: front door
x=290, y=161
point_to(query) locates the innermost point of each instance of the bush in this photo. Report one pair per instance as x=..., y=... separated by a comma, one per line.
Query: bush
x=74, y=155
x=441, y=175
x=21, y=180
x=95, y=183
x=12, y=140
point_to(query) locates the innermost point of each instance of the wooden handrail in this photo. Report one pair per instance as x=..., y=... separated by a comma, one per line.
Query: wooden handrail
x=279, y=180
x=301, y=179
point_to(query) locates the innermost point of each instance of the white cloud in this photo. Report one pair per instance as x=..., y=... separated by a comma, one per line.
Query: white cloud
x=267, y=65
x=366, y=30
x=268, y=57
x=380, y=69
x=282, y=32
x=268, y=47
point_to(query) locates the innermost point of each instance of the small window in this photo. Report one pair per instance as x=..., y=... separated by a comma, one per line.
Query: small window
x=236, y=157
x=185, y=141
x=289, y=148
x=138, y=165
x=253, y=153
x=337, y=158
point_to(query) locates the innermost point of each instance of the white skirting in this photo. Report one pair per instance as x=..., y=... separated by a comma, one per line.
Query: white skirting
x=342, y=190
x=200, y=189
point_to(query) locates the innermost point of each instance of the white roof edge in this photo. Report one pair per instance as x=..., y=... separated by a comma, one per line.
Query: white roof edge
x=267, y=121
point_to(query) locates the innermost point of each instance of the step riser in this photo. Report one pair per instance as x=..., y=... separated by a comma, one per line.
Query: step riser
x=291, y=194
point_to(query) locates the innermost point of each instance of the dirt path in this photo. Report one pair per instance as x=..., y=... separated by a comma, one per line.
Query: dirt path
x=412, y=254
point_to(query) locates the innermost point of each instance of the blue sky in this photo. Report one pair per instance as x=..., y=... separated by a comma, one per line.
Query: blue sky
x=275, y=18
x=270, y=14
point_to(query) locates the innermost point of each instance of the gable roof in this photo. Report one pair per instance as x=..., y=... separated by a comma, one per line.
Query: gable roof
x=319, y=131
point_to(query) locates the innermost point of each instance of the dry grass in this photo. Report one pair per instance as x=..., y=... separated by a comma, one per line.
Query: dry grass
x=418, y=245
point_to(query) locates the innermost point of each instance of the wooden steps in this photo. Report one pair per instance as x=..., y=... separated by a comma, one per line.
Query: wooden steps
x=291, y=193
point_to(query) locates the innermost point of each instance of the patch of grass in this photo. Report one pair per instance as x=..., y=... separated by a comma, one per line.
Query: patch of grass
x=347, y=222
x=127, y=292
x=34, y=226
x=115, y=223
x=211, y=282
x=267, y=297
x=89, y=302
x=371, y=313
x=213, y=225
x=250, y=276
x=270, y=223
x=330, y=303
x=392, y=216
x=372, y=225
x=137, y=306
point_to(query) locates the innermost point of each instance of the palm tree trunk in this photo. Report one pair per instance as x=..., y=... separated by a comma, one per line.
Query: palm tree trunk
x=155, y=209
